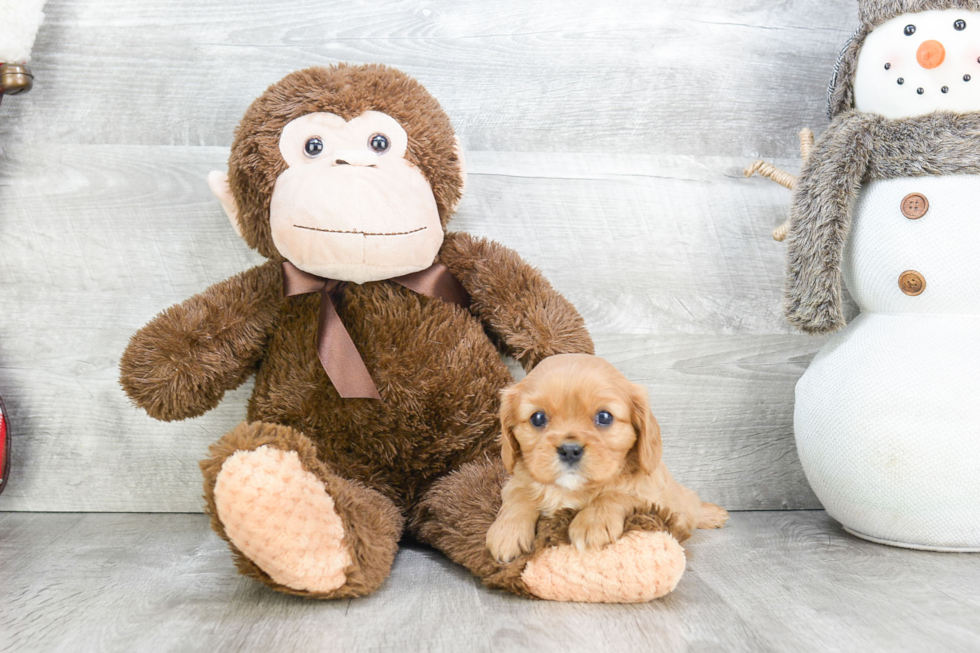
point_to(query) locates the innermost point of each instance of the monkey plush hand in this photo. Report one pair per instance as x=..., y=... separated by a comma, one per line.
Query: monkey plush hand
x=375, y=339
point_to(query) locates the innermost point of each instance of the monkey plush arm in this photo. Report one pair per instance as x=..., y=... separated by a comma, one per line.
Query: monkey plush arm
x=528, y=318
x=181, y=364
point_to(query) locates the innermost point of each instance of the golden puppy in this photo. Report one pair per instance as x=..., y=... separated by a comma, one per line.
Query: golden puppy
x=577, y=434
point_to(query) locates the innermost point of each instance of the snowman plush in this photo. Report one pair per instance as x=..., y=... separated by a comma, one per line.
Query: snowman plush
x=888, y=203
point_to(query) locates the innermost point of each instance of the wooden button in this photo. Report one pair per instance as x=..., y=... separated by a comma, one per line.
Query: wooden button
x=915, y=206
x=912, y=283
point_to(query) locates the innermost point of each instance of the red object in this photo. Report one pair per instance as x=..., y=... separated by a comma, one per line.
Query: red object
x=4, y=446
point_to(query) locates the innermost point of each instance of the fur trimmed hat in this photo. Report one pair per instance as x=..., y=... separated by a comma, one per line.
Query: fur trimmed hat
x=840, y=95
x=876, y=12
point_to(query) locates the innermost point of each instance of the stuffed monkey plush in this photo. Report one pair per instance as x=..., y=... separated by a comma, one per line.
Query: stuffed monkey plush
x=375, y=338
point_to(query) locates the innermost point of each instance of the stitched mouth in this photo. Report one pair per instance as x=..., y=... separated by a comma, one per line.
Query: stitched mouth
x=362, y=233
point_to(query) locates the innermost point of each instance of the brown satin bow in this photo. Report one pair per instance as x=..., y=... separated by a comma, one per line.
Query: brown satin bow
x=338, y=354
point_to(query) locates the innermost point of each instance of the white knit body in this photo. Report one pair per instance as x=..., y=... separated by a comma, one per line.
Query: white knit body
x=888, y=414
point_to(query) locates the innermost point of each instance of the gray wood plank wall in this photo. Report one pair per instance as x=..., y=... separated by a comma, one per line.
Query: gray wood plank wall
x=605, y=143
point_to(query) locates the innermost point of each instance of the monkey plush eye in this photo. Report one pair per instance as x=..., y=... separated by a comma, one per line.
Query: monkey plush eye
x=379, y=143
x=539, y=419
x=603, y=418
x=909, y=30
x=959, y=25
x=313, y=147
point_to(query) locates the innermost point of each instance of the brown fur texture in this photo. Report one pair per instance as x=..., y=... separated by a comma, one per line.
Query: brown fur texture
x=457, y=513
x=857, y=148
x=346, y=91
x=437, y=366
x=840, y=96
x=373, y=535
x=181, y=364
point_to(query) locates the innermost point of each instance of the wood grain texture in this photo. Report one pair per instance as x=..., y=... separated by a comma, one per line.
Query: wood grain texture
x=706, y=77
x=606, y=145
x=769, y=582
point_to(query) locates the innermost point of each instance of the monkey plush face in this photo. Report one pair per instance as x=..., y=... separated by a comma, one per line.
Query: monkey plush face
x=348, y=172
x=350, y=206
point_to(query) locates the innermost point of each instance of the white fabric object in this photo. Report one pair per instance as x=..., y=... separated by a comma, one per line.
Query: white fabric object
x=876, y=90
x=941, y=245
x=888, y=414
x=19, y=22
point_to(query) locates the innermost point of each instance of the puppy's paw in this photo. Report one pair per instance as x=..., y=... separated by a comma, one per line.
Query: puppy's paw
x=712, y=516
x=594, y=529
x=509, y=538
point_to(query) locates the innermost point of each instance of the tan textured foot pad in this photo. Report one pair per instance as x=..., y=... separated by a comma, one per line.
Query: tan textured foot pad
x=639, y=567
x=281, y=517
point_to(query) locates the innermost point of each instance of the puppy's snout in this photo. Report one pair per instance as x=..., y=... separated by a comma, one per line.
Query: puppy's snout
x=570, y=453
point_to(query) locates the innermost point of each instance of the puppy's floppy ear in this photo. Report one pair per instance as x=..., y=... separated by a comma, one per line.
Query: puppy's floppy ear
x=510, y=448
x=648, y=447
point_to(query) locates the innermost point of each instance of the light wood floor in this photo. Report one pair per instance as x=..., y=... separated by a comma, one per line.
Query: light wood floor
x=771, y=581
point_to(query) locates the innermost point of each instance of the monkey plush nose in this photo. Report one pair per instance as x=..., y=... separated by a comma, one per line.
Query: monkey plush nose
x=355, y=158
x=570, y=453
x=931, y=54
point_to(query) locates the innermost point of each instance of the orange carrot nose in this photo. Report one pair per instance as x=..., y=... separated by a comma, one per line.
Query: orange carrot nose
x=931, y=54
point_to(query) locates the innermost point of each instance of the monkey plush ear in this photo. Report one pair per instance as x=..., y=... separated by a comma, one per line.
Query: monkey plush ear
x=218, y=181
x=462, y=174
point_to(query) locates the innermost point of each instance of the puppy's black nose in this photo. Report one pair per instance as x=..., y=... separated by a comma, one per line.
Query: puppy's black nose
x=570, y=453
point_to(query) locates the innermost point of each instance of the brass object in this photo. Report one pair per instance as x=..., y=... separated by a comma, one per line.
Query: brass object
x=912, y=283
x=15, y=78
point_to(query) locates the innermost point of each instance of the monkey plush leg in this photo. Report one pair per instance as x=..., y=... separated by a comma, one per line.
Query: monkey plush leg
x=454, y=516
x=293, y=524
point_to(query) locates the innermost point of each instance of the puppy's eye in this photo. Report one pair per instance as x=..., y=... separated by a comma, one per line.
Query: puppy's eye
x=959, y=25
x=603, y=418
x=539, y=419
x=909, y=30
x=379, y=143
x=313, y=147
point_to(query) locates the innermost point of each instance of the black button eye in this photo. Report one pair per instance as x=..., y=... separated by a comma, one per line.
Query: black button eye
x=539, y=419
x=379, y=143
x=909, y=30
x=313, y=147
x=959, y=25
x=603, y=418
